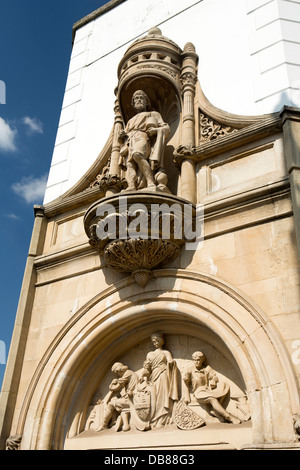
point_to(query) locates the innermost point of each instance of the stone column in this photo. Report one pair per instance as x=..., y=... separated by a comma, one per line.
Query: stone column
x=291, y=138
x=114, y=169
x=188, y=80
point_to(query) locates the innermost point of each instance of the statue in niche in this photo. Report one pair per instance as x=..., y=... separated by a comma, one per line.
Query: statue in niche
x=202, y=385
x=142, y=146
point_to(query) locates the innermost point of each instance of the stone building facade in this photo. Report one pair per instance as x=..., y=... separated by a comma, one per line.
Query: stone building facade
x=160, y=303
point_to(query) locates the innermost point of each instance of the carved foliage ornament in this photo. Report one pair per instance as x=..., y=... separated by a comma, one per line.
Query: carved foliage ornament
x=139, y=232
x=165, y=69
x=211, y=130
x=106, y=181
x=139, y=256
x=188, y=78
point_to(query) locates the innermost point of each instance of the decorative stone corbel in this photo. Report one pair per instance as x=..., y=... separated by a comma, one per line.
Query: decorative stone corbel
x=138, y=232
x=109, y=182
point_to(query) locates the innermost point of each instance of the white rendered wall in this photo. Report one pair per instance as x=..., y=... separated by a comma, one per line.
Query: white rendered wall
x=249, y=64
x=274, y=38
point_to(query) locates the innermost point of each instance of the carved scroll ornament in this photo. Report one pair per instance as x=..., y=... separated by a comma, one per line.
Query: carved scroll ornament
x=211, y=130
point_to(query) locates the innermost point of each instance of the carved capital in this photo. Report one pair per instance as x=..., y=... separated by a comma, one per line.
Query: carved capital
x=183, y=152
x=188, y=79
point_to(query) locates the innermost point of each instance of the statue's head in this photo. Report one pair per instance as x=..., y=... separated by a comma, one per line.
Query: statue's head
x=119, y=368
x=198, y=358
x=157, y=339
x=140, y=100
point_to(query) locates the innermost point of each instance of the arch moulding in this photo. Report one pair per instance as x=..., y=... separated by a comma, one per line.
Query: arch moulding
x=176, y=301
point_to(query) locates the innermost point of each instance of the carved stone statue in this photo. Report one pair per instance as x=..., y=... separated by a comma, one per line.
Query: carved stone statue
x=162, y=371
x=142, y=144
x=118, y=397
x=202, y=384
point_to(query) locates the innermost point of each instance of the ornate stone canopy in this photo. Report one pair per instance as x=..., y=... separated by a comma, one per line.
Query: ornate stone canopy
x=164, y=76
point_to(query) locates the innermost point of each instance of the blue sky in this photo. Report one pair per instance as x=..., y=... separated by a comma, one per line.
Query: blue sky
x=35, y=45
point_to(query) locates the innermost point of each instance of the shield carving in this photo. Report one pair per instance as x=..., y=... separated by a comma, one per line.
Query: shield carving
x=142, y=403
x=185, y=418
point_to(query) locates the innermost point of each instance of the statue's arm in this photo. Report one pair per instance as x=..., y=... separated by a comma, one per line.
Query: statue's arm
x=161, y=124
x=169, y=356
x=186, y=377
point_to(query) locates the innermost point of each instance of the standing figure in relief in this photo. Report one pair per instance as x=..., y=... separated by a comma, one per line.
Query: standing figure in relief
x=142, y=143
x=121, y=390
x=205, y=387
x=161, y=370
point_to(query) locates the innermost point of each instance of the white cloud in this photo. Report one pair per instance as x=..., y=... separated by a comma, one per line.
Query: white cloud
x=34, y=125
x=31, y=189
x=12, y=216
x=7, y=137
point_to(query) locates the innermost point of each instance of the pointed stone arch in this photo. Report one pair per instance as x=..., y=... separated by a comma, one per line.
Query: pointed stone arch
x=113, y=321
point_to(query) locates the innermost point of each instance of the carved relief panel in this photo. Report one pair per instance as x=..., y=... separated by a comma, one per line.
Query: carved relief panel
x=174, y=381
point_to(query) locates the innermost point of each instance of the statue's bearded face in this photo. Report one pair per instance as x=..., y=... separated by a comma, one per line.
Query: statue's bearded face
x=139, y=101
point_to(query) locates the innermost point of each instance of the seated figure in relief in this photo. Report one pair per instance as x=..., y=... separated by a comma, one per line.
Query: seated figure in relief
x=118, y=398
x=142, y=145
x=204, y=386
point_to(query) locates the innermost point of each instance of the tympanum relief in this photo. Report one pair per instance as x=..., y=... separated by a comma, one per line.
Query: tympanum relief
x=185, y=393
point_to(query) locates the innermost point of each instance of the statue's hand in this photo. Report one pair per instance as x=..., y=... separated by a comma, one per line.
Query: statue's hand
x=186, y=401
x=122, y=135
x=154, y=165
x=151, y=131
